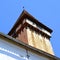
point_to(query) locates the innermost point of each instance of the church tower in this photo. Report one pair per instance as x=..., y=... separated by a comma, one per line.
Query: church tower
x=32, y=32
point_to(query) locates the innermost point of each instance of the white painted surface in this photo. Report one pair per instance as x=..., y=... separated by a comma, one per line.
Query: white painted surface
x=6, y=57
x=34, y=56
x=9, y=51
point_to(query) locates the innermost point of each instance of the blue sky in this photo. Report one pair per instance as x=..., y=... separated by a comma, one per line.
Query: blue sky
x=46, y=11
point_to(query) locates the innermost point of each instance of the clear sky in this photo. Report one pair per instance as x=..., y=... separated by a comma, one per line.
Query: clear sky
x=46, y=11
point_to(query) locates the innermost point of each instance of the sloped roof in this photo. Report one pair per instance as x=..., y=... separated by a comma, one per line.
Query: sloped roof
x=23, y=15
x=28, y=46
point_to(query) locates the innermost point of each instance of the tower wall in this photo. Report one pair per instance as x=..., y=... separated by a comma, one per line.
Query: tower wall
x=22, y=36
x=38, y=41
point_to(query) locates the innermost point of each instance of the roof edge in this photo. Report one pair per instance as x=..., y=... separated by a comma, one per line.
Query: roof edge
x=26, y=14
x=30, y=47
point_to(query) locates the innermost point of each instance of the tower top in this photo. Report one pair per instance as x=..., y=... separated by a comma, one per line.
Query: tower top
x=24, y=15
x=32, y=32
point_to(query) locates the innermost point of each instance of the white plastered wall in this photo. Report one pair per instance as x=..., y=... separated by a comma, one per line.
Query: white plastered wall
x=9, y=51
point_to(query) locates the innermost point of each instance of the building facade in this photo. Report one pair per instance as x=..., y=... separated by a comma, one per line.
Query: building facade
x=32, y=32
x=12, y=49
x=29, y=39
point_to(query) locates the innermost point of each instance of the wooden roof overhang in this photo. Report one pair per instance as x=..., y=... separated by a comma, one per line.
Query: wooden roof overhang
x=24, y=15
x=26, y=25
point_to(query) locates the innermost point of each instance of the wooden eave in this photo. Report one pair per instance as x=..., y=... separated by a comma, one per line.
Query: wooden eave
x=26, y=25
x=24, y=15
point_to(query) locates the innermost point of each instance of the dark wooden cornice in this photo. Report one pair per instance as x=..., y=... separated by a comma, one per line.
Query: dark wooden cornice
x=24, y=15
x=26, y=25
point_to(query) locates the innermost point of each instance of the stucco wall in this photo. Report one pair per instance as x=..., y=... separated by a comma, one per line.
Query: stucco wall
x=14, y=52
x=22, y=36
x=11, y=51
x=38, y=41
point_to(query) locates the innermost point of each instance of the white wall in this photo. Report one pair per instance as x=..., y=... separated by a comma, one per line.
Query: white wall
x=10, y=51
x=34, y=56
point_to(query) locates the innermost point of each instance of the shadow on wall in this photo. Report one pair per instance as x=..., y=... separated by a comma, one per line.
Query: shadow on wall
x=5, y=54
